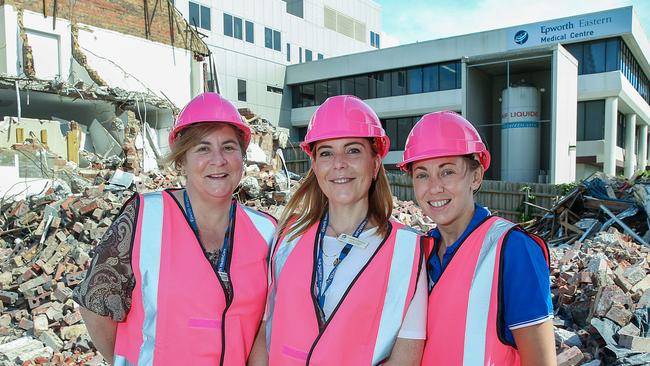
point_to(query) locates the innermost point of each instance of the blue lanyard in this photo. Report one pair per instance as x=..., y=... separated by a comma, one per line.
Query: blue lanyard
x=221, y=266
x=344, y=253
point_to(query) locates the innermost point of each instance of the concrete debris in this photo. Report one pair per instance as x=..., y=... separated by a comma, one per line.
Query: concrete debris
x=600, y=273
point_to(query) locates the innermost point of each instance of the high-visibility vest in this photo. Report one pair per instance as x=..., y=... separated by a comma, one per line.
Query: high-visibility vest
x=463, y=322
x=180, y=314
x=364, y=326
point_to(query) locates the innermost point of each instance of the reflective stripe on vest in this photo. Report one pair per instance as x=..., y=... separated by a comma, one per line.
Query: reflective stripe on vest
x=150, y=242
x=279, y=256
x=392, y=313
x=121, y=361
x=478, y=305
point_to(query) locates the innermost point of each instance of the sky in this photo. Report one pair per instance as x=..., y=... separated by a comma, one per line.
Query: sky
x=408, y=21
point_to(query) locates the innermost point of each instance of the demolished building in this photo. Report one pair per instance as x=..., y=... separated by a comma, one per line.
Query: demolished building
x=74, y=77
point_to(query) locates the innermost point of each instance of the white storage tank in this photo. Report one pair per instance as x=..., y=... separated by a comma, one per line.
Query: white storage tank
x=520, y=134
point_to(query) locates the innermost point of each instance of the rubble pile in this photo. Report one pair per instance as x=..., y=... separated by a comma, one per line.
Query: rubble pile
x=408, y=213
x=594, y=205
x=600, y=289
x=600, y=281
x=47, y=239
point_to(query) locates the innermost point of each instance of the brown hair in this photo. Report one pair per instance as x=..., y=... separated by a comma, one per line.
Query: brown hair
x=308, y=204
x=190, y=137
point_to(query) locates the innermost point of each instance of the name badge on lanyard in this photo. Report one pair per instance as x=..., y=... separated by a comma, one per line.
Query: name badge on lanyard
x=349, y=239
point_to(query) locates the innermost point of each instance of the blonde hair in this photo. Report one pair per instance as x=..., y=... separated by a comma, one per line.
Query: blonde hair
x=192, y=135
x=308, y=204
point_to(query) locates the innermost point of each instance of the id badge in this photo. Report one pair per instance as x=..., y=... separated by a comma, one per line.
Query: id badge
x=349, y=239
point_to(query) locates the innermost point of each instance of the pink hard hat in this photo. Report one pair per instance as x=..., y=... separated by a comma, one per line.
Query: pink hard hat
x=441, y=134
x=210, y=107
x=345, y=116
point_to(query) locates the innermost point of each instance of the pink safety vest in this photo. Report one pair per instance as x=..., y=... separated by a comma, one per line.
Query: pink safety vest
x=463, y=324
x=179, y=313
x=363, y=328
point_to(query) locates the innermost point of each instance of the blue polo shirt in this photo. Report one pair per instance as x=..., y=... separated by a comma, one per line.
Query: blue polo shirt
x=526, y=281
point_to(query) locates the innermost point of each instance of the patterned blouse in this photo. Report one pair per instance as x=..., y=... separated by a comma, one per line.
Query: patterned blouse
x=107, y=288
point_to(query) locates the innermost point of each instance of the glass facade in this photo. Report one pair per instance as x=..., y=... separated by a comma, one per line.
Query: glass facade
x=420, y=79
x=610, y=54
x=591, y=120
x=308, y=55
x=398, y=130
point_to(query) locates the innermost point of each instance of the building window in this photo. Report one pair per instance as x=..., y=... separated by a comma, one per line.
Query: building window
x=241, y=90
x=398, y=86
x=608, y=55
x=591, y=120
x=300, y=55
x=301, y=133
x=374, y=39
x=415, y=80
x=288, y=52
x=233, y=27
x=227, y=25
x=272, y=39
x=361, y=86
x=398, y=130
x=308, y=95
x=308, y=56
x=273, y=89
x=320, y=56
x=320, y=91
x=238, y=30
x=200, y=16
x=430, y=79
x=333, y=88
x=347, y=86
x=268, y=38
x=250, y=32
x=277, y=41
x=449, y=73
x=295, y=7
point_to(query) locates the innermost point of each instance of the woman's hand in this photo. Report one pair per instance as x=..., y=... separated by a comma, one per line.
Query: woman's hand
x=102, y=330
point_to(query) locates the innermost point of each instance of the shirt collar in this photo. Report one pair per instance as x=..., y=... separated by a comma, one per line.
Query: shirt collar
x=480, y=213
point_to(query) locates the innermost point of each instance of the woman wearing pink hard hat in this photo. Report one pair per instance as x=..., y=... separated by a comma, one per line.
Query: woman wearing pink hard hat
x=489, y=300
x=180, y=276
x=347, y=284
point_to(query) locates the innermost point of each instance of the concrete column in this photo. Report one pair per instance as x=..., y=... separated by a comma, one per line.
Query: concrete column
x=630, y=149
x=609, y=160
x=642, y=151
x=196, y=78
